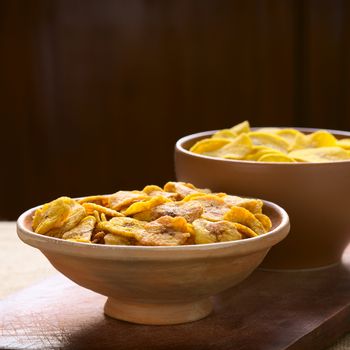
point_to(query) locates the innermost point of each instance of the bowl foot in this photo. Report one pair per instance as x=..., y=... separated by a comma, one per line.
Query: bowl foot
x=157, y=314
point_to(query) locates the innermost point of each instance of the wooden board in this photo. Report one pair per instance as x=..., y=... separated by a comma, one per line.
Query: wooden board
x=270, y=310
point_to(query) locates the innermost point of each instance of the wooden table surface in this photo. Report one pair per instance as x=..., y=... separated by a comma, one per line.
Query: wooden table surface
x=22, y=265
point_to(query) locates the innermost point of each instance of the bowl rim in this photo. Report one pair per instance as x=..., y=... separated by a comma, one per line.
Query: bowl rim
x=47, y=243
x=180, y=142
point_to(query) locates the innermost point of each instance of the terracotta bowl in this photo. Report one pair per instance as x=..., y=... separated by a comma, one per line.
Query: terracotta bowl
x=157, y=285
x=315, y=195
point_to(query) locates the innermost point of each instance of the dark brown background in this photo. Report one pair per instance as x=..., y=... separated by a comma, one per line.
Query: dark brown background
x=94, y=94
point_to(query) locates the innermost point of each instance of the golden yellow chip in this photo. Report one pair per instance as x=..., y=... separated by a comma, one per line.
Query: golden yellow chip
x=321, y=154
x=289, y=135
x=145, y=205
x=91, y=207
x=268, y=130
x=259, y=151
x=214, y=207
x=211, y=232
x=51, y=215
x=208, y=145
x=276, y=157
x=225, y=134
x=269, y=140
x=152, y=190
x=265, y=220
x=122, y=226
x=83, y=230
x=344, y=143
x=189, y=210
x=165, y=231
x=236, y=149
x=58, y=216
x=244, y=230
x=122, y=199
x=320, y=138
x=253, y=205
x=241, y=128
x=101, y=200
x=245, y=217
x=183, y=189
x=112, y=239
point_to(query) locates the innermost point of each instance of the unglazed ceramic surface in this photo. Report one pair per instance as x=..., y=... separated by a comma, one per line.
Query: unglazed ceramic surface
x=157, y=285
x=315, y=195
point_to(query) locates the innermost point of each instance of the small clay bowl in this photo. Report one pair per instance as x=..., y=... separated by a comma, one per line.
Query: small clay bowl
x=157, y=285
x=315, y=195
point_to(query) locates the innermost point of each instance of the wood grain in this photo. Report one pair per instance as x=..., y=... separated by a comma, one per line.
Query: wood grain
x=269, y=311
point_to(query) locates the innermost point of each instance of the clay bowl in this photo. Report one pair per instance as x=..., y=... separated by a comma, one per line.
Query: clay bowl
x=157, y=285
x=315, y=195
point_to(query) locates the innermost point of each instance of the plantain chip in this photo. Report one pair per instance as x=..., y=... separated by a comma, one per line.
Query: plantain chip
x=344, y=143
x=91, y=207
x=241, y=128
x=183, y=189
x=214, y=207
x=122, y=226
x=225, y=134
x=321, y=154
x=276, y=157
x=245, y=217
x=211, y=232
x=112, y=239
x=253, y=205
x=269, y=140
x=165, y=231
x=265, y=221
x=83, y=230
x=58, y=216
x=122, y=199
x=145, y=205
x=209, y=145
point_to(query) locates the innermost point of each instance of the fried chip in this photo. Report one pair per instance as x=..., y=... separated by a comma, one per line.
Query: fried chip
x=289, y=135
x=258, y=151
x=225, y=134
x=253, y=205
x=276, y=157
x=211, y=232
x=269, y=130
x=241, y=128
x=145, y=205
x=83, y=230
x=101, y=200
x=51, y=215
x=322, y=154
x=152, y=191
x=245, y=217
x=122, y=199
x=244, y=230
x=112, y=239
x=190, y=211
x=91, y=207
x=209, y=145
x=269, y=140
x=183, y=189
x=122, y=226
x=320, y=138
x=344, y=143
x=236, y=149
x=58, y=216
x=265, y=221
x=165, y=231
x=214, y=207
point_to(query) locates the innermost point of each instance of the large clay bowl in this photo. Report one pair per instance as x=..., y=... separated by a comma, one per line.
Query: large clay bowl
x=315, y=195
x=157, y=285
